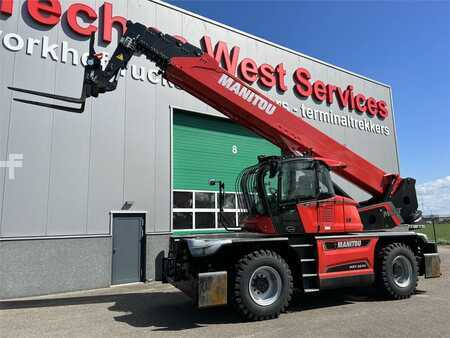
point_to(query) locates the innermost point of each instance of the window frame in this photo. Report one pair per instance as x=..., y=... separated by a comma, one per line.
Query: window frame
x=214, y=210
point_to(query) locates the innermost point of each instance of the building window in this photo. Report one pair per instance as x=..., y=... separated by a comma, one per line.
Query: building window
x=204, y=200
x=229, y=201
x=229, y=219
x=182, y=220
x=182, y=199
x=197, y=210
x=205, y=220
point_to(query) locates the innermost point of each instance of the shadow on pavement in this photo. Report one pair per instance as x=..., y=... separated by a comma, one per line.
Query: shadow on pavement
x=173, y=311
x=160, y=310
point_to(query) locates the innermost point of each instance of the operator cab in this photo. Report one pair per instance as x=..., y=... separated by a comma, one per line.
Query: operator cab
x=287, y=195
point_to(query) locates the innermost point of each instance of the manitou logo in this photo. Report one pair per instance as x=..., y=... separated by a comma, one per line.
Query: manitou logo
x=334, y=245
x=247, y=94
x=348, y=244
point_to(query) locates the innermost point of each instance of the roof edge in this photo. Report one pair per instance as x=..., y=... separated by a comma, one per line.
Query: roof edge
x=235, y=30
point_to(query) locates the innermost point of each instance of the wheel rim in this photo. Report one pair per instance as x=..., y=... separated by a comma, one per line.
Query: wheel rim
x=402, y=271
x=265, y=285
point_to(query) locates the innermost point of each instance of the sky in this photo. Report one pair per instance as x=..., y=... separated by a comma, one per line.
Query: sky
x=405, y=44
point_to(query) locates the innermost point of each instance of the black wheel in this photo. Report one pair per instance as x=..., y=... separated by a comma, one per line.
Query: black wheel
x=262, y=285
x=397, y=271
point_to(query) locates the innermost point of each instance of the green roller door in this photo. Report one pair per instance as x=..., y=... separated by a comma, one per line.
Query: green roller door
x=207, y=147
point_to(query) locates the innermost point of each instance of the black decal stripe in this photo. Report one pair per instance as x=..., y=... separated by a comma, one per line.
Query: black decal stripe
x=334, y=283
x=349, y=267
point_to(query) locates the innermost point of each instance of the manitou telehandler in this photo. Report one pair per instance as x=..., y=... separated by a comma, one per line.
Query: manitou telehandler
x=300, y=229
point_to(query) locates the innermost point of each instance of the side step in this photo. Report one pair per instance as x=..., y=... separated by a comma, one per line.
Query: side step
x=305, y=245
x=307, y=254
x=304, y=260
x=311, y=290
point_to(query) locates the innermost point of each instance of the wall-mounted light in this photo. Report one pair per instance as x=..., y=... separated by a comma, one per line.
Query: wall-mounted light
x=127, y=205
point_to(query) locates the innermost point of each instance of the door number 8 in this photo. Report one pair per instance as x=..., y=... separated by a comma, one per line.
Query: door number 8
x=234, y=149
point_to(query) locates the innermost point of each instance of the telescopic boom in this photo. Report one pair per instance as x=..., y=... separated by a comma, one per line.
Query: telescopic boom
x=200, y=75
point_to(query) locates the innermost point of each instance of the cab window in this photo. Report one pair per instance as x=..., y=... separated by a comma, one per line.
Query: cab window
x=271, y=189
x=298, y=181
x=325, y=184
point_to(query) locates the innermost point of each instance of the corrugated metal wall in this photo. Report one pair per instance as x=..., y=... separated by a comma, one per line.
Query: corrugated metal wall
x=79, y=167
x=211, y=147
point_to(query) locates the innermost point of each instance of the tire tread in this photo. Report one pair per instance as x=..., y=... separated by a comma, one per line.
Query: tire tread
x=383, y=279
x=240, y=268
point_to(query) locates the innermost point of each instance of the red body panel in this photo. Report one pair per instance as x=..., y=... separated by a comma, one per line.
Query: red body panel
x=344, y=257
x=352, y=219
x=308, y=215
x=203, y=78
x=390, y=209
x=260, y=224
x=332, y=215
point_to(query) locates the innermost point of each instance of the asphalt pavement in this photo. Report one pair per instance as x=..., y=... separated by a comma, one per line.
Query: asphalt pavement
x=156, y=309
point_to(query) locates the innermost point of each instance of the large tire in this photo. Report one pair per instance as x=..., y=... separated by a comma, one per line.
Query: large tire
x=262, y=285
x=397, y=273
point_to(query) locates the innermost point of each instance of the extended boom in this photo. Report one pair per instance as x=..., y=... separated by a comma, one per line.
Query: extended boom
x=200, y=75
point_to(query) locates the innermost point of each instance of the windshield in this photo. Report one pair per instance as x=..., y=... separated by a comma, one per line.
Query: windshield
x=250, y=202
x=298, y=181
x=263, y=187
x=258, y=189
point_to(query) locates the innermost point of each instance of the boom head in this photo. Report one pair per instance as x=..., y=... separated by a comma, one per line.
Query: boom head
x=90, y=88
x=138, y=39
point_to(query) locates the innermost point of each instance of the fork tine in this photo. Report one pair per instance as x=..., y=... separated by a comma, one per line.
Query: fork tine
x=51, y=96
x=53, y=106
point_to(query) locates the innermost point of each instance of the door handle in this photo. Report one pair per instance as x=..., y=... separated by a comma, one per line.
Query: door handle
x=114, y=250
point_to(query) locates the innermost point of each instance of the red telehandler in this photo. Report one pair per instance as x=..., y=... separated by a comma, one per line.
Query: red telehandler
x=300, y=229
